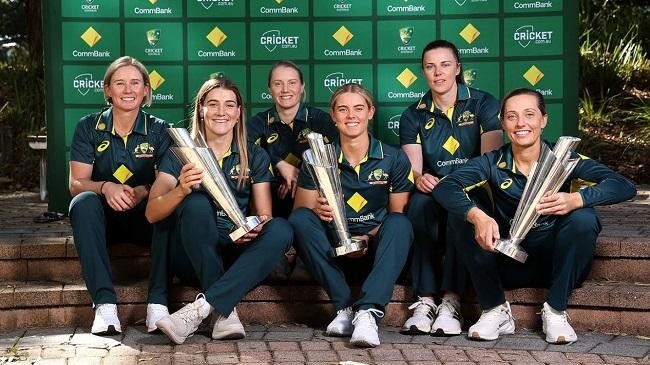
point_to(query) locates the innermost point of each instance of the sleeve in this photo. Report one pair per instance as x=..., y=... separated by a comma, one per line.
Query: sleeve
x=402, y=174
x=165, y=141
x=451, y=191
x=408, y=128
x=305, y=180
x=170, y=164
x=488, y=114
x=82, y=148
x=255, y=129
x=326, y=126
x=599, y=185
x=260, y=166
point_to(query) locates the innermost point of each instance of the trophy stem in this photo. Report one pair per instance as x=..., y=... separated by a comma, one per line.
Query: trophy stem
x=511, y=249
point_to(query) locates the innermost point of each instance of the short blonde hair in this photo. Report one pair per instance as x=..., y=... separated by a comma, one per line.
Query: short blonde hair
x=123, y=62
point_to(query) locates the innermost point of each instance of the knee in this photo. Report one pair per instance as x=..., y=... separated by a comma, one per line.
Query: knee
x=398, y=225
x=302, y=217
x=583, y=221
x=86, y=203
x=281, y=233
x=195, y=207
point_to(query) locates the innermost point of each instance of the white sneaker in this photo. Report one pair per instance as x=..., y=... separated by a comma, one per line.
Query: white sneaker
x=106, y=322
x=341, y=325
x=183, y=323
x=228, y=328
x=424, y=312
x=448, y=321
x=365, y=328
x=556, y=326
x=493, y=322
x=155, y=312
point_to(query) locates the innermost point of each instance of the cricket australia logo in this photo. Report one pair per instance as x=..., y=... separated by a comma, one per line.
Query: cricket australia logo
x=143, y=150
x=302, y=136
x=466, y=118
x=378, y=177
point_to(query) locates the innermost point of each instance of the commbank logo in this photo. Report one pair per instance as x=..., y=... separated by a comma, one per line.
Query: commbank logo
x=156, y=80
x=279, y=1
x=84, y=83
x=91, y=37
x=469, y=33
x=271, y=39
x=153, y=2
x=533, y=75
x=336, y=79
x=153, y=36
x=216, y=36
x=526, y=34
x=343, y=35
x=406, y=78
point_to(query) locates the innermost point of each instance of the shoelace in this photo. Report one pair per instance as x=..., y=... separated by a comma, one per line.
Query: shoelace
x=104, y=309
x=494, y=313
x=557, y=319
x=366, y=315
x=189, y=314
x=347, y=311
x=447, y=308
x=159, y=311
x=422, y=308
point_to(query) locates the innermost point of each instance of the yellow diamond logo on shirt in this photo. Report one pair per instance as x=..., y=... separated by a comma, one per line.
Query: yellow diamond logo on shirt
x=533, y=75
x=406, y=78
x=122, y=174
x=451, y=145
x=91, y=37
x=357, y=202
x=216, y=36
x=343, y=35
x=469, y=33
x=156, y=79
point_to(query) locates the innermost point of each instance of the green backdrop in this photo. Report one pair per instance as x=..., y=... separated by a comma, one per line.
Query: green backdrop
x=504, y=44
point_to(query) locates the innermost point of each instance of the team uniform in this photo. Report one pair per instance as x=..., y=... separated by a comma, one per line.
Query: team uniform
x=448, y=141
x=366, y=190
x=132, y=161
x=287, y=142
x=194, y=240
x=560, y=248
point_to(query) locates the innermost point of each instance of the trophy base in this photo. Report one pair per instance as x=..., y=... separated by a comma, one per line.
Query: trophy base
x=251, y=222
x=348, y=246
x=512, y=250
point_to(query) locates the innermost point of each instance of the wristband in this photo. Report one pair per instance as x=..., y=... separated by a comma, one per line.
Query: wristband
x=101, y=188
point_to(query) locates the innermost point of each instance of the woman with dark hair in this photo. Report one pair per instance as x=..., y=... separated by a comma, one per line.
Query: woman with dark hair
x=196, y=229
x=450, y=124
x=560, y=245
x=281, y=131
x=114, y=156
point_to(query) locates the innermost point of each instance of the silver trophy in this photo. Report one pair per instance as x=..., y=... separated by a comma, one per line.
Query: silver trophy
x=546, y=176
x=197, y=152
x=322, y=163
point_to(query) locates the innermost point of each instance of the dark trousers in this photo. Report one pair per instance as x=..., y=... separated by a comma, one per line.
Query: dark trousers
x=559, y=258
x=387, y=252
x=198, y=252
x=94, y=226
x=281, y=207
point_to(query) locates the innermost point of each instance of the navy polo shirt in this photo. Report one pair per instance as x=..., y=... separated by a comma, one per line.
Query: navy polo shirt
x=131, y=160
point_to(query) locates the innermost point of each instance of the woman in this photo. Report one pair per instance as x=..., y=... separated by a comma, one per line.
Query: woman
x=281, y=131
x=198, y=229
x=450, y=124
x=376, y=180
x=113, y=160
x=560, y=246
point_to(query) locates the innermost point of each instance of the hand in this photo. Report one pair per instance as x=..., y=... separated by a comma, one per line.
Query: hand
x=426, y=182
x=140, y=193
x=323, y=210
x=559, y=203
x=189, y=178
x=360, y=253
x=252, y=234
x=290, y=175
x=119, y=197
x=486, y=229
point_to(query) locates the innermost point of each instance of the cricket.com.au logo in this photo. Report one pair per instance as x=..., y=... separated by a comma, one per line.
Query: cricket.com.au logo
x=89, y=7
x=393, y=124
x=336, y=79
x=526, y=34
x=463, y=2
x=155, y=10
x=342, y=6
x=84, y=83
x=207, y=4
x=153, y=37
x=405, y=37
x=272, y=39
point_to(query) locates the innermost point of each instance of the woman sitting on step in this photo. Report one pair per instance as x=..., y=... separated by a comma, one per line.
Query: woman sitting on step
x=560, y=245
x=191, y=231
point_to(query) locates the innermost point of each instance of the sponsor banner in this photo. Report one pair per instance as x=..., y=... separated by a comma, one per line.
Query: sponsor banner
x=484, y=76
x=474, y=37
x=343, y=40
x=71, y=117
x=166, y=84
x=404, y=39
x=88, y=41
x=469, y=7
x=84, y=84
x=178, y=117
x=400, y=83
x=154, y=41
x=543, y=76
x=532, y=36
x=218, y=41
x=90, y=8
x=197, y=75
x=401, y=7
x=342, y=8
x=153, y=9
x=531, y=6
x=216, y=9
x=257, y=110
x=279, y=8
x=279, y=40
x=328, y=78
x=386, y=123
x=554, y=127
x=260, y=90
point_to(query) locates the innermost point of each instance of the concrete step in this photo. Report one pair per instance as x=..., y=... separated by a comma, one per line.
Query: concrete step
x=602, y=306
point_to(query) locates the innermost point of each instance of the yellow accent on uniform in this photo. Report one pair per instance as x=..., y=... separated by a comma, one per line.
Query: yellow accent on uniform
x=357, y=202
x=292, y=159
x=100, y=126
x=357, y=168
x=272, y=138
x=451, y=145
x=450, y=112
x=406, y=78
x=271, y=169
x=533, y=75
x=122, y=174
x=257, y=141
x=472, y=187
x=228, y=153
x=506, y=184
x=579, y=184
x=430, y=123
x=103, y=146
x=583, y=157
x=411, y=177
x=343, y=35
x=91, y=37
x=216, y=36
x=417, y=139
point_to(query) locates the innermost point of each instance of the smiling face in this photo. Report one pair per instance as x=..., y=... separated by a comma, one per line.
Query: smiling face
x=351, y=113
x=220, y=112
x=285, y=87
x=126, y=89
x=522, y=120
x=440, y=68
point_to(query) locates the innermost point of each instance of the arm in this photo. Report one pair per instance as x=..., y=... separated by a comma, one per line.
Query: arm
x=166, y=195
x=397, y=202
x=423, y=182
x=491, y=140
x=486, y=229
